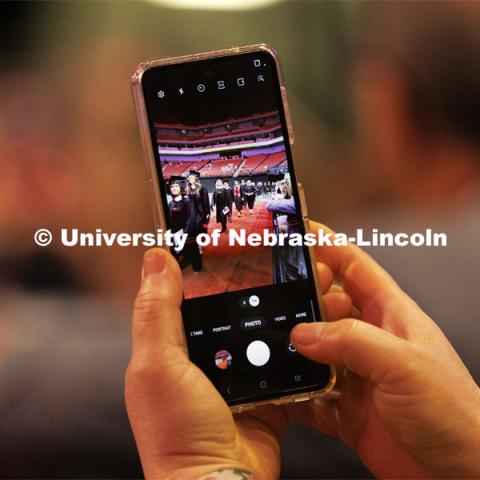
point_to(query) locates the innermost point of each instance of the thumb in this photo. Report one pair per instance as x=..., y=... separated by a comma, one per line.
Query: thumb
x=157, y=319
x=362, y=348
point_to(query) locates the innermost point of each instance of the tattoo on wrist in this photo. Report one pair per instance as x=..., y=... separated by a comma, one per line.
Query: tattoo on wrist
x=229, y=474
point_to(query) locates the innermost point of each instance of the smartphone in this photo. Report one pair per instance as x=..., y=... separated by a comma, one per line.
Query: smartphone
x=217, y=136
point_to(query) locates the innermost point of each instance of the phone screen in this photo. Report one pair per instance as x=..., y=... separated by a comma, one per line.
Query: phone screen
x=224, y=164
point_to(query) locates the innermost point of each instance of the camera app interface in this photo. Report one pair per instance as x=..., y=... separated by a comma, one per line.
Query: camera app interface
x=225, y=169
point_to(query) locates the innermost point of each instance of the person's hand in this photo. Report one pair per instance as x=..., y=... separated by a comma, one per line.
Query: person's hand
x=182, y=426
x=408, y=405
x=178, y=435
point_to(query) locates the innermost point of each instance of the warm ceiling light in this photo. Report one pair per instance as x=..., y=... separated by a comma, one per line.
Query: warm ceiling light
x=216, y=4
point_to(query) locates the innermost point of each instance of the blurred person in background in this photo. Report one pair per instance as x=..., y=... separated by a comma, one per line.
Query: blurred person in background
x=69, y=158
x=417, y=102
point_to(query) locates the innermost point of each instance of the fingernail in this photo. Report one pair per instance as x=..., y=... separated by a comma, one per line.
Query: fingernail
x=153, y=262
x=306, y=333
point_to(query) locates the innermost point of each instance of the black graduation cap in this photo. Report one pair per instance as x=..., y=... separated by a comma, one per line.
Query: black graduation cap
x=194, y=172
x=275, y=176
x=177, y=180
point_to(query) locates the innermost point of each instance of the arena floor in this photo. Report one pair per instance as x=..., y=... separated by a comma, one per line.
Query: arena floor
x=226, y=268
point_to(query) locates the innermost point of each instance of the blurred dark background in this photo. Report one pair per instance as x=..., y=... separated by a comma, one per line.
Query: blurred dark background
x=385, y=100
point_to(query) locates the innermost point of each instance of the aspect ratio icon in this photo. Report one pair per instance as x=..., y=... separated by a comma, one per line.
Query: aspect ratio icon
x=201, y=87
x=251, y=301
x=221, y=84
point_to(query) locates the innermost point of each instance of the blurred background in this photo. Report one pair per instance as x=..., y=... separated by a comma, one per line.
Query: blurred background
x=385, y=100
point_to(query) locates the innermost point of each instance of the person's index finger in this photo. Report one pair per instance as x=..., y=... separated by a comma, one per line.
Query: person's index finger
x=361, y=277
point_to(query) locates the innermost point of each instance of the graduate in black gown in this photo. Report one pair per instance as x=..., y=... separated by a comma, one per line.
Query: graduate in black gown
x=219, y=201
x=250, y=192
x=182, y=221
x=229, y=198
x=198, y=195
x=242, y=189
x=238, y=197
x=179, y=207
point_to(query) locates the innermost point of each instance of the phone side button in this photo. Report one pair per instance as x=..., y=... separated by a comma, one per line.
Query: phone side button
x=303, y=202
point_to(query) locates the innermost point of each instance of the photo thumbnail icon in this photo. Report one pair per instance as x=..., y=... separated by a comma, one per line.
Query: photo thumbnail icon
x=223, y=359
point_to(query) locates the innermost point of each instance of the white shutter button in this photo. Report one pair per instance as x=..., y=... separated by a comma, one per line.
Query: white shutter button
x=258, y=353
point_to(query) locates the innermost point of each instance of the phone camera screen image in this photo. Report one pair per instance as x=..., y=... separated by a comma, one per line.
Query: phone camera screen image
x=224, y=166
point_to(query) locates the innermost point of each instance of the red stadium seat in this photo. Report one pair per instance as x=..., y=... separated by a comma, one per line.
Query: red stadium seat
x=272, y=161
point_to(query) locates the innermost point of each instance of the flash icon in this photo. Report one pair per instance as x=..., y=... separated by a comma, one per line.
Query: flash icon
x=180, y=91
